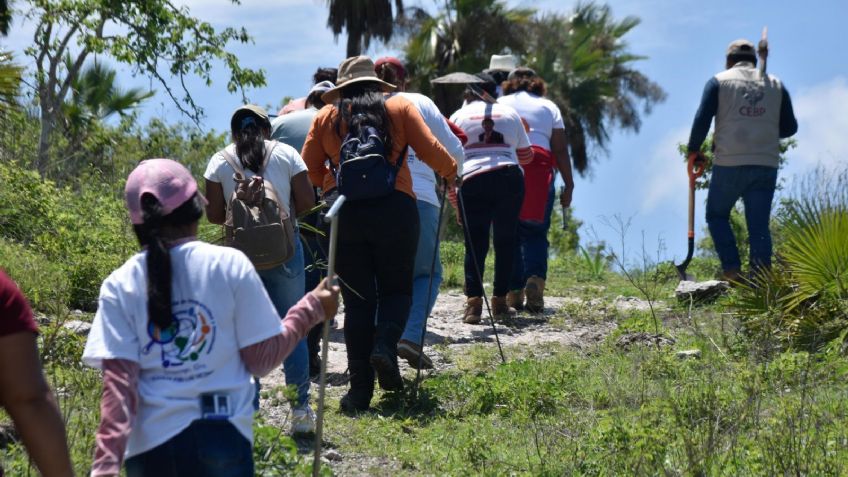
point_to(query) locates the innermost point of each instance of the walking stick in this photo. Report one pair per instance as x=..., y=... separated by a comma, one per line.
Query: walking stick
x=477, y=270
x=429, y=290
x=332, y=216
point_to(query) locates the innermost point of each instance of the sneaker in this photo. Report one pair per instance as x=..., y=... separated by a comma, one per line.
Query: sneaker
x=413, y=354
x=303, y=420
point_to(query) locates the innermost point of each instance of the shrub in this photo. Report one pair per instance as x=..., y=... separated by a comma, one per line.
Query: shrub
x=43, y=282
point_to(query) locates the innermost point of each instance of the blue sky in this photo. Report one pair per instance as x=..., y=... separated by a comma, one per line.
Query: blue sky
x=642, y=178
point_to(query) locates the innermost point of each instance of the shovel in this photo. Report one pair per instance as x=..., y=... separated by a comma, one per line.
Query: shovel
x=332, y=216
x=694, y=172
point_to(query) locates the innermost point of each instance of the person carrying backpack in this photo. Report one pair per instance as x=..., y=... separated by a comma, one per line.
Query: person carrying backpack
x=180, y=328
x=365, y=137
x=241, y=181
x=391, y=70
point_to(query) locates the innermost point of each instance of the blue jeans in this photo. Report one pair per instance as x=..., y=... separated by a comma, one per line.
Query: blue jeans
x=286, y=285
x=531, y=255
x=428, y=235
x=755, y=185
x=206, y=448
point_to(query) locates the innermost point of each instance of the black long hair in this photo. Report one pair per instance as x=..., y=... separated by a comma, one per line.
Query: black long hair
x=250, y=140
x=149, y=234
x=364, y=104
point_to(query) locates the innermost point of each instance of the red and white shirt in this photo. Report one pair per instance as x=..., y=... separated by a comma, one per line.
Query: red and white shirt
x=496, y=137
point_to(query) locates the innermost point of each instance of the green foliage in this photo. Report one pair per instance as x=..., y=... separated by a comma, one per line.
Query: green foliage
x=275, y=453
x=10, y=79
x=44, y=283
x=594, y=262
x=803, y=300
x=609, y=413
x=453, y=258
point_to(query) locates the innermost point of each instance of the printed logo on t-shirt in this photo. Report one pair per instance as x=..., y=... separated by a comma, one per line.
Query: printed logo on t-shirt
x=188, y=339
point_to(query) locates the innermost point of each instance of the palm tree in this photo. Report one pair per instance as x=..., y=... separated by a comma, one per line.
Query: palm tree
x=10, y=79
x=95, y=96
x=363, y=20
x=590, y=75
x=461, y=37
x=5, y=17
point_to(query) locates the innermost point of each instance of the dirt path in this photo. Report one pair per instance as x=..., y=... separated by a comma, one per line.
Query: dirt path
x=445, y=329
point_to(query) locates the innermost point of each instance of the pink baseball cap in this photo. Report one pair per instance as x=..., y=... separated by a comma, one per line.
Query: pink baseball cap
x=167, y=180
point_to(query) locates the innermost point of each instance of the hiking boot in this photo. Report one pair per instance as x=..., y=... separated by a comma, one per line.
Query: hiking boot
x=473, y=310
x=385, y=365
x=515, y=299
x=500, y=310
x=413, y=354
x=358, y=397
x=534, y=289
x=303, y=420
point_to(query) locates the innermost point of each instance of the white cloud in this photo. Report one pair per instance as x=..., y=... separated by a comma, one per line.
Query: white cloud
x=822, y=112
x=664, y=171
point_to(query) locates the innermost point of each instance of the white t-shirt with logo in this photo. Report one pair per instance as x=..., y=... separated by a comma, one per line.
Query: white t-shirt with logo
x=542, y=115
x=283, y=164
x=423, y=178
x=219, y=307
x=494, y=132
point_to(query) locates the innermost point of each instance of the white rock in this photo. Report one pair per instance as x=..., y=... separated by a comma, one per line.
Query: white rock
x=700, y=291
x=689, y=354
x=333, y=455
x=77, y=326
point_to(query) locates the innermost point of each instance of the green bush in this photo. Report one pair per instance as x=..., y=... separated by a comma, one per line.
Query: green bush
x=453, y=258
x=44, y=283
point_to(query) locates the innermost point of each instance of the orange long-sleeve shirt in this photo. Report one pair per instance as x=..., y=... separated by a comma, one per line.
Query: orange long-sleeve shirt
x=408, y=127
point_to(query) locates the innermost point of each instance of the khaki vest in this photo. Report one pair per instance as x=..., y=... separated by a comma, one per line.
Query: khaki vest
x=748, y=118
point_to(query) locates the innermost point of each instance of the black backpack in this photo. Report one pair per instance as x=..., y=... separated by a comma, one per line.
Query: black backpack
x=364, y=171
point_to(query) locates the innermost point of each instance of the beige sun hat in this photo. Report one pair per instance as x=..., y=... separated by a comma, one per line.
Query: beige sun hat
x=354, y=70
x=505, y=63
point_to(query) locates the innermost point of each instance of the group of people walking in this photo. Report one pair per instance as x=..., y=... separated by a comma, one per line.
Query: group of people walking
x=184, y=329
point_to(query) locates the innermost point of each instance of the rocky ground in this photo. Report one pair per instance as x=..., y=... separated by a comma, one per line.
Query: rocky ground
x=448, y=335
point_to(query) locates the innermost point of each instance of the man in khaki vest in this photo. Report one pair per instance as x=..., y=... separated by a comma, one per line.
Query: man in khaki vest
x=752, y=113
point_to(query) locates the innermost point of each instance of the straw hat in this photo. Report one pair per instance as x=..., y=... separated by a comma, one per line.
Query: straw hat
x=354, y=70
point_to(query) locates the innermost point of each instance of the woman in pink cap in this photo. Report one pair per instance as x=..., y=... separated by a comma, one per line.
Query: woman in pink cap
x=179, y=330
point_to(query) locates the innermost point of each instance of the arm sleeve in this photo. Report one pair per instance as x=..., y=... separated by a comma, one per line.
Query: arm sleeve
x=113, y=334
x=15, y=312
x=118, y=407
x=442, y=130
x=212, y=169
x=261, y=358
x=426, y=146
x=313, y=152
x=788, y=123
x=704, y=116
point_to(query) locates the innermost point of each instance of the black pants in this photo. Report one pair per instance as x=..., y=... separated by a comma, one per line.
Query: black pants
x=492, y=200
x=375, y=258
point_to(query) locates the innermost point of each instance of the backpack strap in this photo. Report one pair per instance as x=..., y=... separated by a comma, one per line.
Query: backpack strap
x=269, y=150
x=231, y=160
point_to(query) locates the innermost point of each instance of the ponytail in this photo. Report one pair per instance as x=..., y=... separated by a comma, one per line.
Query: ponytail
x=363, y=104
x=250, y=147
x=158, y=264
x=150, y=234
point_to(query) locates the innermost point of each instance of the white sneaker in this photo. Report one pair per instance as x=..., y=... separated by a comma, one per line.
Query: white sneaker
x=303, y=420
